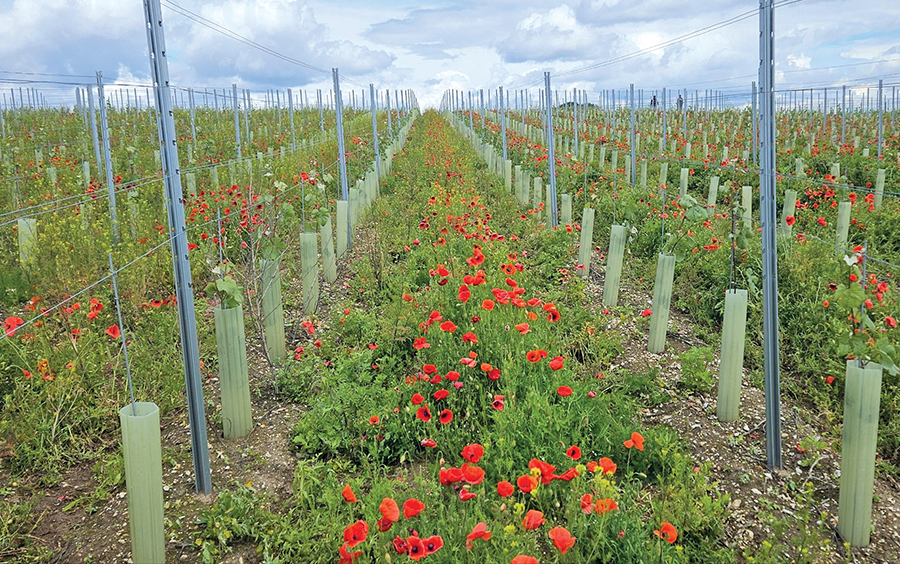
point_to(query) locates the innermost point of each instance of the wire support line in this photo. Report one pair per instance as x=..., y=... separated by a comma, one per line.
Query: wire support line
x=130, y=185
x=625, y=182
x=680, y=39
x=168, y=241
x=236, y=36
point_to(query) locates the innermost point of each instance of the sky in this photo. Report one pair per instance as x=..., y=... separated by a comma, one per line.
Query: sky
x=432, y=45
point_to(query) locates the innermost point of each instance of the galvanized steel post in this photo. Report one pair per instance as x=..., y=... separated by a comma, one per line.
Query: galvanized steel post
x=554, y=219
x=107, y=154
x=187, y=321
x=771, y=357
x=375, y=132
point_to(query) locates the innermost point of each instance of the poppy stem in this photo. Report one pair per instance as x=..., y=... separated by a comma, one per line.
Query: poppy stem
x=112, y=273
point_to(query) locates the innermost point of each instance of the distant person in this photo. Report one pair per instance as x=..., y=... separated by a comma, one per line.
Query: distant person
x=653, y=102
x=680, y=102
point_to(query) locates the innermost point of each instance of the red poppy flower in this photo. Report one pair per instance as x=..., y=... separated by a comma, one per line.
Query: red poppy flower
x=346, y=556
x=523, y=559
x=453, y=376
x=441, y=394
x=429, y=369
x=384, y=524
x=647, y=313
x=470, y=338
x=356, y=533
x=556, y=362
x=494, y=374
x=604, y=505
x=389, y=509
x=505, y=489
x=533, y=519
x=472, y=474
x=415, y=548
x=478, y=532
x=448, y=326
x=562, y=539
x=890, y=322
x=789, y=220
x=400, y=545
x=573, y=452
x=412, y=507
x=449, y=476
x=348, y=494
x=829, y=380
x=543, y=467
x=114, y=332
x=527, y=483
x=424, y=414
x=473, y=453
x=564, y=391
x=420, y=343
x=466, y=495
x=498, y=403
x=12, y=323
x=374, y=420
x=553, y=316
x=667, y=532
x=523, y=328
x=432, y=544
x=429, y=443
x=464, y=294
x=607, y=465
x=636, y=441
x=535, y=355
x=446, y=416
x=587, y=504
x=417, y=398
x=568, y=475
x=488, y=305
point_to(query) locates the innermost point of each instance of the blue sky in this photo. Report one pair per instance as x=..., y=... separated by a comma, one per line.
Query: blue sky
x=429, y=45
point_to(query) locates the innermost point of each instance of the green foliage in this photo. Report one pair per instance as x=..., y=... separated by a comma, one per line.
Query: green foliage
x=695, y=375
x=803, y=539
x=228, y=291
x=17, y=523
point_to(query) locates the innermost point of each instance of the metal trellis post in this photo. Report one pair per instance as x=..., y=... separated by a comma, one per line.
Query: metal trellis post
x=631, y=100
x=843, y=113
x=237, y=122
x=502, y=125
x=387, y=100
x=94, y=138
x=290, y=97
x=554, y=219
x=771, y=361
x=375, y=132
x=342, y=156
x=110, y=181
x=177, y=229
x=880, y=116
x=193, y=119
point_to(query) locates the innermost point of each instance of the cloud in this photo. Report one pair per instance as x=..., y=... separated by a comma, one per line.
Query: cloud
x=554, y=35
x=432, y=44
x=799, y=61
x=84, y=35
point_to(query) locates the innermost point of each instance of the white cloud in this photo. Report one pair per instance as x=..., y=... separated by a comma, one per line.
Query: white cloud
x=799, y=61
x=432, y=44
